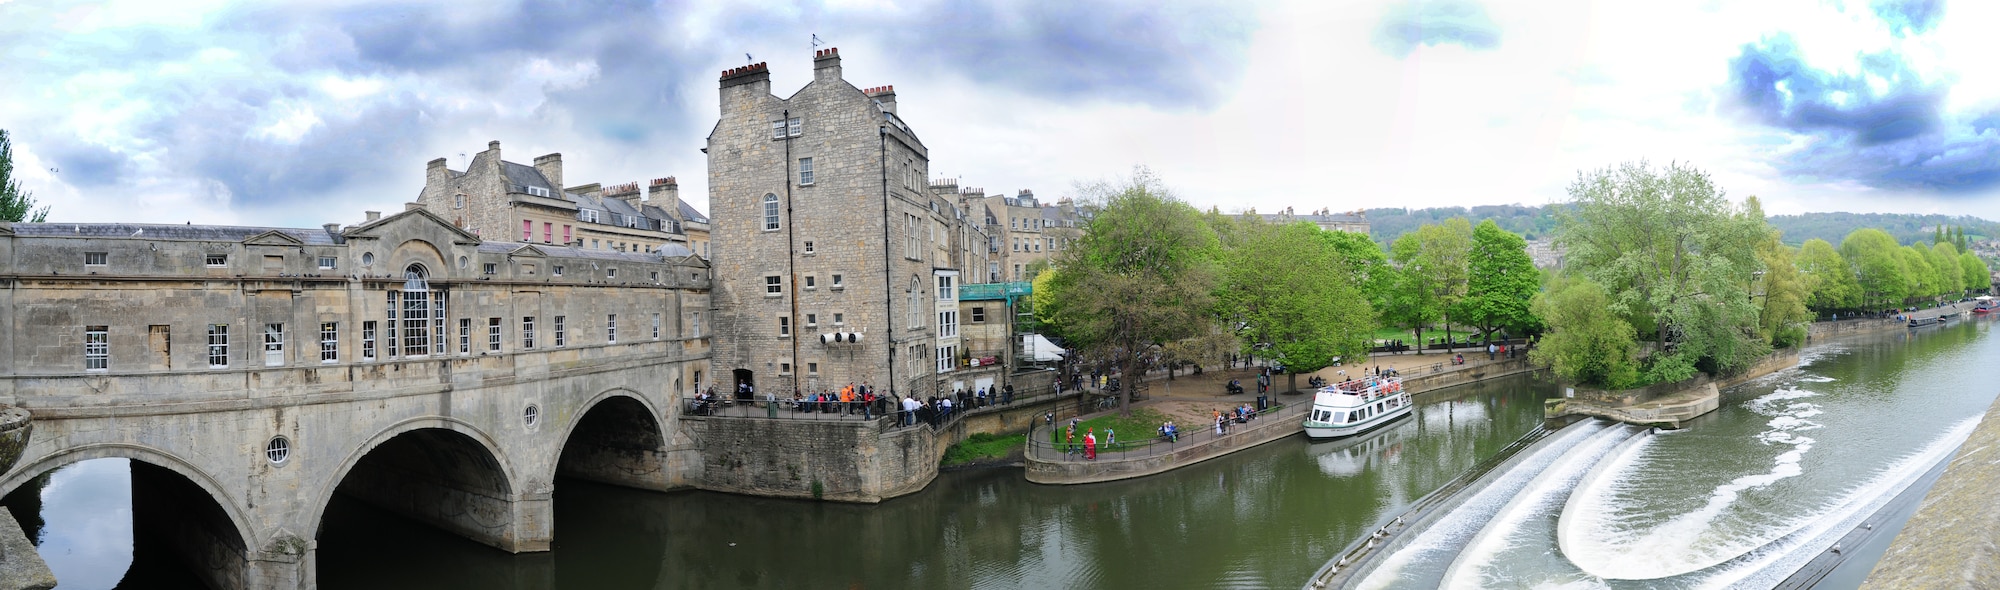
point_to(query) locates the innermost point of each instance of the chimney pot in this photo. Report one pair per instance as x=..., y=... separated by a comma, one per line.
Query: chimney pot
x=493, y=145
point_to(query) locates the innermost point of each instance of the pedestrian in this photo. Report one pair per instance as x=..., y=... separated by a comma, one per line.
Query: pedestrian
x=867, y=404
x=1089, y=446
x=1110, y=437
x=1007, y=393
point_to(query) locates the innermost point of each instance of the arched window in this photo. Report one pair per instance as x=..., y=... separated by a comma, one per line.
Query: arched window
x=422, y=313
x=770, y=211
x=916, y=303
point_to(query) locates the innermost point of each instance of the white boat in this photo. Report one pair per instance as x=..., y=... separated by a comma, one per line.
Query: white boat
x=1354, y=407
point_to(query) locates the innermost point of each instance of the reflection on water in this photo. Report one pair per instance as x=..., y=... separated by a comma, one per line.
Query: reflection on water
x=86, y=522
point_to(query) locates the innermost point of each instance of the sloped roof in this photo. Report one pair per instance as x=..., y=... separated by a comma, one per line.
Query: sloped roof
x=525, y=175
x=162, y=231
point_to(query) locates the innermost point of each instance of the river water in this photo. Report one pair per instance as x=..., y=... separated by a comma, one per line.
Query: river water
x=1735, y=499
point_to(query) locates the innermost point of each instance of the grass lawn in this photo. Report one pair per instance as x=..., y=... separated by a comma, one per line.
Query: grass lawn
x=983, y=446
x=1133, y=431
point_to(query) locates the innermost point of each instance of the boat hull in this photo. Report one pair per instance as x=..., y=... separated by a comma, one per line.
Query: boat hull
x=1323, y=431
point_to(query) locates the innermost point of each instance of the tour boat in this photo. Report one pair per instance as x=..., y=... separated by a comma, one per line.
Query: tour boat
x=1354, y=407
x=1986, y=305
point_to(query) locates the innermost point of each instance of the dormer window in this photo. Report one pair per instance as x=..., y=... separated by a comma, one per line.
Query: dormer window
x=588, y=215
x=538, y=191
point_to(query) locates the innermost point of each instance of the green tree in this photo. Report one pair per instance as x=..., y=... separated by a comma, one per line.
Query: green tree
x=1501, y=283
x=1944, y=262
x=1366, y=266
x=1827, y=277
x=1977, y=277
x=16, y=204
x=1675, y=257
x=1142, y=275
x=1878, y=270
x=1587, y=342
x=1431, y=275
x=1295, y=293
x=1958, y=239
x=1939, y=235
x=1917, y=271
x=1782, y=291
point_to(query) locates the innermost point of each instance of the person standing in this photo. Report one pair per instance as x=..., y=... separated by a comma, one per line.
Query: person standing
x=1089, y=445
x=1007, y=392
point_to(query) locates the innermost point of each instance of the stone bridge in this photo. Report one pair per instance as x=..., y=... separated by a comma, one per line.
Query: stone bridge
x=233, y=470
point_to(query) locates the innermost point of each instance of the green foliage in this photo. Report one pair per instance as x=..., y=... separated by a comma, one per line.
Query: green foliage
x=1134, y=429
x=1782, y=317
x=1387, y=224
x=1431, y=274
x=1878, y=269
x=1977, y=276
x=15, y=204
x=1142, y=275
x=1366, y=265
x=983, y=446
x=1587, y=343
x=1296, y=293
x=1502, y=282
x=1944, y=263
x=1675, y=258
x=1903, y=228
x=1828, y=278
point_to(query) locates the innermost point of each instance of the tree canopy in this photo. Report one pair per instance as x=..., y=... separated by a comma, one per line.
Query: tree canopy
x=1501, y=282
x=1297, y=293
x=16, y=204
x=1431, y=274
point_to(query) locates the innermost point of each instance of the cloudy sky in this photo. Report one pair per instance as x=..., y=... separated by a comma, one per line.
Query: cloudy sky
x=305, y=112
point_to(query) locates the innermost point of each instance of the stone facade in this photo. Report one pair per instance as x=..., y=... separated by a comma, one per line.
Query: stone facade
x=1024, y=231
x=504, y=201
x=260, y=367
x=1352, y=221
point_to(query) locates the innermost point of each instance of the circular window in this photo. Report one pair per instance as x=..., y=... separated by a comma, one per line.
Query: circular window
x=367, y=258
x=531, y=416
x=278, y=450
x=463, y=262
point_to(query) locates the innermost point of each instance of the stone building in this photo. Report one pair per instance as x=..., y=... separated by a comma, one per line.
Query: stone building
x=1352, y=221
x=1024, y=231
x=829, y=246
x=494, y=195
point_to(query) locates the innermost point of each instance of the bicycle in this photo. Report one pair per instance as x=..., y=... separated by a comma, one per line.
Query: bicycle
x=1107, y=403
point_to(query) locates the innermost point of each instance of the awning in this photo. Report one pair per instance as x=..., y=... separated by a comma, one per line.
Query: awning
x=1037, y=349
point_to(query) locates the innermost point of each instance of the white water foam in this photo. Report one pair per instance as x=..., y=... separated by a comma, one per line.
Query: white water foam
x=1541, y=497
x=1444, y=536
x=1596, y=541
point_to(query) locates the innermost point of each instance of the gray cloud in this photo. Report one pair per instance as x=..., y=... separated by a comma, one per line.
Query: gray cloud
x=1900, y=137
x=1415, y=23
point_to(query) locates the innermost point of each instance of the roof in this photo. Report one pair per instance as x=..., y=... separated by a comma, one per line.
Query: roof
x=524, y=175
x=153, y=231
x=688, y=212
x=658, y=255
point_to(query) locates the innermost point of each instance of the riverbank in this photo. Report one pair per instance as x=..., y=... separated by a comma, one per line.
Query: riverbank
x=1665, y=405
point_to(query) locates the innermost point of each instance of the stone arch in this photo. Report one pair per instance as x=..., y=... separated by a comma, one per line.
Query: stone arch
x=439, y=459
x=618, y=438
x=418, y=252
x=170, y=521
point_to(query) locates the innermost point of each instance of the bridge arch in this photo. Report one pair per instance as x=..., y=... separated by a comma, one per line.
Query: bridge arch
x=438, y=470
x=179, y=511
x=617, y=437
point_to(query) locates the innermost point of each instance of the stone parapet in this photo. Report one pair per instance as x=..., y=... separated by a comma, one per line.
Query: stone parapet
x=1948, y=543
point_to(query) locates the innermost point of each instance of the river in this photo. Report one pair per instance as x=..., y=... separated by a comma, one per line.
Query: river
x=1785, y=460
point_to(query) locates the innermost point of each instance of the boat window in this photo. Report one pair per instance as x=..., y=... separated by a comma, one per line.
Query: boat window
x=1339, y=417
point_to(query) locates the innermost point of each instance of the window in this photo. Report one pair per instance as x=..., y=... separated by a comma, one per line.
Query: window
x=95, y=258
x=785, y=368
x=493, y=334
x=774, y=286
x=329, y=342
x=811, y=281
x=944, y=288
x=770, y=211
x=947, y=358
x=97, y=348
x=218, y=346
x=611, y=328
x=839, y=318
x=562, y=331
x=812, y=320
x=437, y=324
x=368, y=341
x=694, y=324
x=610, y=273
x=656, y=276
x=465, y=335
x=784, y=326
x=538, y=191
x=216, y=260
x=566, y=239
x=916, y=304
x=979, y=315
x=795, y=127
x=656, y=326
x=274, y=345
x=528, y=332
x=492, y=268
x=557, y=269
x=947, y=324
x=778, y=129
x=328, y=262
x=588, y=216
x=809, y=246
x=805, y=171
x=1017, y=272
x=911, y=249
x=812, y=368
x=458, y=201
x=548, y=232
x=836, y=281
x=527, y=230
x=417, y=312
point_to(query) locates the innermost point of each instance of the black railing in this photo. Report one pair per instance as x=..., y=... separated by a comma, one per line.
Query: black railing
x=1153, y=443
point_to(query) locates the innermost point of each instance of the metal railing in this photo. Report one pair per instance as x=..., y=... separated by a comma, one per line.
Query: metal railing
x=887, y=410
x=1153, y=443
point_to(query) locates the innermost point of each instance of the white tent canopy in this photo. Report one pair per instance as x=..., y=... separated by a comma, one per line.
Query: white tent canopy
x=1035, y=348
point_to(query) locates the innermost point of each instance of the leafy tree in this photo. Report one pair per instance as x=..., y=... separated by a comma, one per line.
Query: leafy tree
x=1587, y=342
x=1938, y=236
x=15, y=204
x=1827, y=277
x=1142, y=275
x=1943, y=259
x=1676, y=259
x=1878, y=270
x=1977, y=277
x=1365, y=265
x=1295, y=293
x=1917, y=270
x=1502, y=282
x=1432, y=277
x=1783, y=316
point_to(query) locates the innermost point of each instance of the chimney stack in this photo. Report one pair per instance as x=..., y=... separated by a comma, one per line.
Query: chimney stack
x=412, y=206
x=665, y=193
x=826, y=65
x=373, y=215
x=628, y=192
x=885, y=95
x=435, y=174
x=551, y=168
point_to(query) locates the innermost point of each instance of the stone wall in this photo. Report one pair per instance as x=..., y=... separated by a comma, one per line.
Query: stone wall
x=850, y=460
x=1420, y=383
